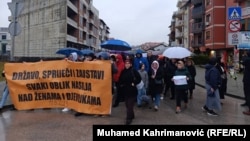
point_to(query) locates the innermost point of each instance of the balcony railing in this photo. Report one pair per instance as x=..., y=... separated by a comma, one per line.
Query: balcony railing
x=197, y=44
x=197, y=27
x=197, y=12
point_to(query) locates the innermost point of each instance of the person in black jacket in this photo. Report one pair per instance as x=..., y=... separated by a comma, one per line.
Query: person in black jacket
x=128, y=80
x=223, y=73
x=246, y=82
x=192, y=70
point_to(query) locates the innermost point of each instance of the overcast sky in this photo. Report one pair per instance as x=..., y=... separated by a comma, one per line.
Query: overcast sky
x=135, y=21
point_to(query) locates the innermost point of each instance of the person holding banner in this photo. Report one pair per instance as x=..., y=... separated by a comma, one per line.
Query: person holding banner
x=4, y=95
x=128, y=80
x=72, y=57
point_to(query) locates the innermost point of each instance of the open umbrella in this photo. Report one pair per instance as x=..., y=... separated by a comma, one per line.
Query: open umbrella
x=66, y=51
x=86, y=51
x=177, y=52
x=116, y=44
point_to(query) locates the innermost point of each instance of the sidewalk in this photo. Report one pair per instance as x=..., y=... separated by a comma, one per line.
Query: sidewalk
x=234, y=87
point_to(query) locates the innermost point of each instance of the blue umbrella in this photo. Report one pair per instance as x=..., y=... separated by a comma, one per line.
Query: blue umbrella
x=116, y=44
x=86, y=51
x=66, y=51
x=104, y=55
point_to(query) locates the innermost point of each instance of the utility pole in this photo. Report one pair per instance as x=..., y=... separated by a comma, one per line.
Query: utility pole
x=16, y=7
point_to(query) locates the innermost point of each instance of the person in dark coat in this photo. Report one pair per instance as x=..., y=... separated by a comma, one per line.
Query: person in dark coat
x=181, y=90
x=213, y=82
x=128, y=80
x=169, y=73
x=156, y=83
x=246, y=82
x=223, y=73
x=192, y=70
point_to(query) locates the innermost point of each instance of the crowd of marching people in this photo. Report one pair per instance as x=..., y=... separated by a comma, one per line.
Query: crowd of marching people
x=145, y=79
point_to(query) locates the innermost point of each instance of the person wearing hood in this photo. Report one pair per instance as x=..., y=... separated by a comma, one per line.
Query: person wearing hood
x=120, y=66
x=213, y=82
x=139, y=59
x=156, y=84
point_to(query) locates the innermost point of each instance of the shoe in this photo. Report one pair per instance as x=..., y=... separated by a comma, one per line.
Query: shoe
x=65, y=110
x=139, y=106
x=205, y=109
x=178, y=110
x=212, y=113
x=128, y=122
x=162, y=97
x=1, y=110
x=156, y=108
x=246, y=113
x=77, y=114
x=243, y=104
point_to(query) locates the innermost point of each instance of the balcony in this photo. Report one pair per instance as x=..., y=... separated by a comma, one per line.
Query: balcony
x=179, y=35
x=198, y=12
x=197, y=44
x=179, y=13
x=197, y=27
x=179, y=24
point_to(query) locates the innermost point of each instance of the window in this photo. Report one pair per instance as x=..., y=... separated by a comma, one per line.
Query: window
x=247, y=3
x=4, y=47
x=4, y=37
x=208, y=2
x=208, y=18
x=207, y=35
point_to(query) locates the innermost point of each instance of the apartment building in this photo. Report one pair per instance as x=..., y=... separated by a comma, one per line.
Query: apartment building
x=245, y=23
x=5, y=41
x=208, y=26
x=48, y=25
x=179, y=26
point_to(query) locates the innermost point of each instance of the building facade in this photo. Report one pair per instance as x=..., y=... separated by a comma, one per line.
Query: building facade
x=5, y=42
x=50, y=25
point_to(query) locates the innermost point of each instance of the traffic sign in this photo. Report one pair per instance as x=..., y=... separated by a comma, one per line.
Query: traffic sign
x=15, y=28
x=234, y=13
x=16, y=7
x=234, y=38
x=234, y=26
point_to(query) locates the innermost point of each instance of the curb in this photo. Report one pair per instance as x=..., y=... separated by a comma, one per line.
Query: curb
x=227, y=94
